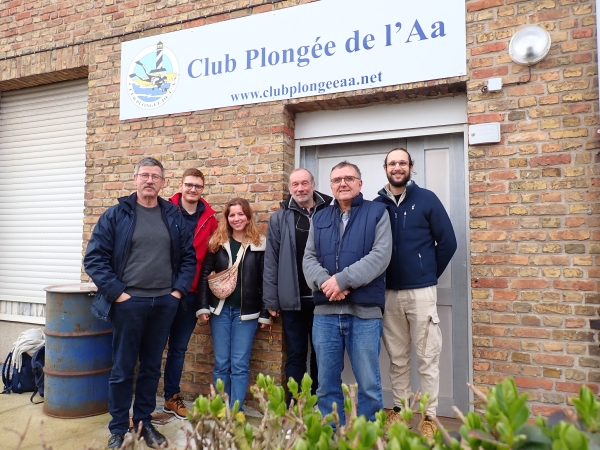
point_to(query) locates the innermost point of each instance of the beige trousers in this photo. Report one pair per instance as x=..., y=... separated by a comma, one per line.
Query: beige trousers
x=411, y=316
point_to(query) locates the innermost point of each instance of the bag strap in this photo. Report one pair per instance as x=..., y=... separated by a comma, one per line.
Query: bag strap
x=6, y=371
x=37, y=367
x=240, y=255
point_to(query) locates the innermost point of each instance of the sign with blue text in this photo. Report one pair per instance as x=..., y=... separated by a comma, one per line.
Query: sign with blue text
x=312, y=49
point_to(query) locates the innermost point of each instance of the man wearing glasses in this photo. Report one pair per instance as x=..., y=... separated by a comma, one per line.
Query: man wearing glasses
x=424, y=243
x=200, y=219
x=140, y=257
x=284, y=286
x=347, y=253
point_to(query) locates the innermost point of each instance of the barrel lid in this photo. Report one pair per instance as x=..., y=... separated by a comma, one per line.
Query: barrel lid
x=72, y=288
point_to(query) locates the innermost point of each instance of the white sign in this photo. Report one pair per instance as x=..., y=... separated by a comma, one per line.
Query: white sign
x=313, y=49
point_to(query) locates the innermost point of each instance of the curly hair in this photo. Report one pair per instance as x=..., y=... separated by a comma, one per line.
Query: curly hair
x=224, y=230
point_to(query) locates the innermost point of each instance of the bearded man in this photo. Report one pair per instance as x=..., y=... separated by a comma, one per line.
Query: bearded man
x=423, y=245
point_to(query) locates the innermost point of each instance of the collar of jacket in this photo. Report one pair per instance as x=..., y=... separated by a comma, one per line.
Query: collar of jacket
x=208, y=211
x=385, y=191
x=261, y=247
x=356, y=201
x=130, y=201
x=319, y=198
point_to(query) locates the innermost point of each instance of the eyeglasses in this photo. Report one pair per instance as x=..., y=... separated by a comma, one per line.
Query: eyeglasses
x=397, y=163
x=190, y=186
x=145, y=176
x=348, y=180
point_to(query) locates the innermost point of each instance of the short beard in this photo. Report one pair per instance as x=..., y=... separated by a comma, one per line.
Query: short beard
x=398, y=184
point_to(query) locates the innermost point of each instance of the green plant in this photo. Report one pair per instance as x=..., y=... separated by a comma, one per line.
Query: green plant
x=505, y=424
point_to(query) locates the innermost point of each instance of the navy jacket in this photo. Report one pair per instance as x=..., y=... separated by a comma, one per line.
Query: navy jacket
x=418, y=224
x=109, y=247
x=335, y=252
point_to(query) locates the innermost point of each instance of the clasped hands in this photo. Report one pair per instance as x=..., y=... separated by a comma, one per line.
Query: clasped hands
x=332, y=291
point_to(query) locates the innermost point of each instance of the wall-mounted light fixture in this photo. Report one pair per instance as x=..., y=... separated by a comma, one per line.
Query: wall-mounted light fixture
x=527, y=47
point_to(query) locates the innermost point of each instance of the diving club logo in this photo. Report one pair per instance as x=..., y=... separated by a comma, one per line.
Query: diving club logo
x=152, y=77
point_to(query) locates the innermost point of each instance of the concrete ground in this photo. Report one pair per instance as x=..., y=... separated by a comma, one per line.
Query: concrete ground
x=20, y=419
x=24, y=426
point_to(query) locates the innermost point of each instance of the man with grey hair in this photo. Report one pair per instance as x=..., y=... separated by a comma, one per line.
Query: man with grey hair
x=141, y=258
x=347, y=253
x=284, y=287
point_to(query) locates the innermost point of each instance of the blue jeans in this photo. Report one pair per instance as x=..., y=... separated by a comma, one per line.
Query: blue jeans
x=297, y=329
x=179, y=338
x=232, y=343
x=140, y=329
x=332, y=334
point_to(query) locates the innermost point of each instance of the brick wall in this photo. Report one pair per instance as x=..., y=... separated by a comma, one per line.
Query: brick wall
x=534, y=202
x=534, y=266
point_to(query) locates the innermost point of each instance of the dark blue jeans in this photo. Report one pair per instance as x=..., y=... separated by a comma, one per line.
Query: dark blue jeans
x=140, y=329
x=297, y=330
x=179, y=338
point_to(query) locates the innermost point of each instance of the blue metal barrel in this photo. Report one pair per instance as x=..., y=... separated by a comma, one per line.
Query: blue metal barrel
x=78, y=353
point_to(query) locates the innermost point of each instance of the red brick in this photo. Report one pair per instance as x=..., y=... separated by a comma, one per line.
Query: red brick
x=550, y=160
x=489, y=48
x=554, y=360
x=505, y=295
x=583, y=33
x=503, y=175
x=534, y=383
x=490, y=72
x=489, y=282
x=578, y=285
x=484, y=4
x=484, y=118
x=574, y=387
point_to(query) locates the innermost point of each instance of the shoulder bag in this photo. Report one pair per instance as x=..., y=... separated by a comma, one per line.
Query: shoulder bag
x=223, y=284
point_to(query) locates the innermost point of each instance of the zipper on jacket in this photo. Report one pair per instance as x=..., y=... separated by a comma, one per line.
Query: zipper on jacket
x=421, y=263
x=404, y=223
x=203, y=224
x=340, y=237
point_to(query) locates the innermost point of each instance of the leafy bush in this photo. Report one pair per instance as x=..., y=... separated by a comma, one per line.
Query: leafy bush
x=506, y=423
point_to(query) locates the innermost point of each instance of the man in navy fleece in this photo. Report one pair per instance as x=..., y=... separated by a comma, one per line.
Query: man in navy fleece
x=423, y=245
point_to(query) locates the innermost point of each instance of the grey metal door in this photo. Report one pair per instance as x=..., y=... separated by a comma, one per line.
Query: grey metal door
x=439, y=167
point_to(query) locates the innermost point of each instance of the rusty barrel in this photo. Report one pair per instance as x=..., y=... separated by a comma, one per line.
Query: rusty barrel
x=78, y=353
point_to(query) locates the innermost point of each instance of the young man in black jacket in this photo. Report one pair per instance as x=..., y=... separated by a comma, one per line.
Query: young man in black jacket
x=423, y=244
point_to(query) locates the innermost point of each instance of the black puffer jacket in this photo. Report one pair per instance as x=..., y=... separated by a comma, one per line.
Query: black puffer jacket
x=252, y=279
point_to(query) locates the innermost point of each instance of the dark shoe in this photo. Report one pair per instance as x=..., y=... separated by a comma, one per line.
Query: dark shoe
x=153, y=438
x=116, y=440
